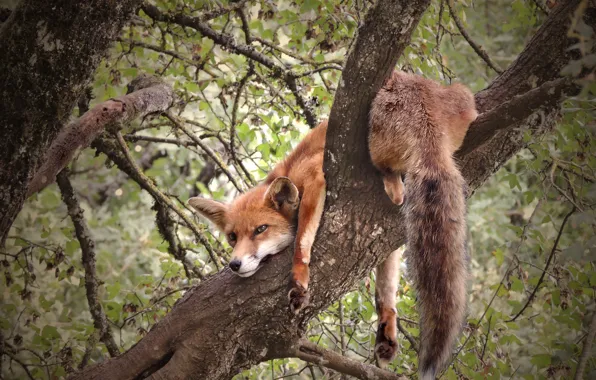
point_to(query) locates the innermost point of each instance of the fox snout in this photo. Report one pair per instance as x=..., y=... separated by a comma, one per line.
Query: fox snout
x=235, y=265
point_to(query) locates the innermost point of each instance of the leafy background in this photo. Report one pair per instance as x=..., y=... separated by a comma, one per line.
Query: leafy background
x=514, y=219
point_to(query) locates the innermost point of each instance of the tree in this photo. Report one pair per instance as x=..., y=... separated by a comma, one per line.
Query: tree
x=225, y=324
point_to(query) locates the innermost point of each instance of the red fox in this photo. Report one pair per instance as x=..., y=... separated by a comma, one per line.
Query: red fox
x=415, y=127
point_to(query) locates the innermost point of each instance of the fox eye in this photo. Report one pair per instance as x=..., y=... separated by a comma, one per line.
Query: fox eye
x=260, y=229
x=232, y=237
x=403, y=177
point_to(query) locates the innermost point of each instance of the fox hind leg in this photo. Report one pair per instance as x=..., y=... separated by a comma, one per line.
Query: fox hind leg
x=386, y=287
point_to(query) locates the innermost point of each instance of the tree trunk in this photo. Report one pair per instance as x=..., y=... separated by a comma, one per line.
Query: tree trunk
x=228, y=323
x=50, y=50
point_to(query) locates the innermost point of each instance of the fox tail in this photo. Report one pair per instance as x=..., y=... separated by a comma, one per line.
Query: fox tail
x=436, y=223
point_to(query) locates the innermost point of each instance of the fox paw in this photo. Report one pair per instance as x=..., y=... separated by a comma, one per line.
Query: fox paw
x=298, y=297
x=385, y=348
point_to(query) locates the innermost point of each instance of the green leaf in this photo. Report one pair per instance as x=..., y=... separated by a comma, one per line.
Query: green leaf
x=516, y=285
x=50, y=332
x=113, y=290
x=541, y=360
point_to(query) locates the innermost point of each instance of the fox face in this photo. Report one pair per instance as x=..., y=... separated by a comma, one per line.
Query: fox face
x=257, y=224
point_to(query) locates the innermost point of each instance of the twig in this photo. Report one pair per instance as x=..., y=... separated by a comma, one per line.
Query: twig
x=165, y=226
x=89, y=346
x=171, y=53
x=486, y=339
x=222, y=11
x=548, y=261
x=230, y=43
x=23, y=365
x=234, y=122
x=290, y=80
x=290, y=53
x=165, y=140
x=407, y=335
x=586, y=350
x=218, y=161
x=477, y=48
x=100, y=320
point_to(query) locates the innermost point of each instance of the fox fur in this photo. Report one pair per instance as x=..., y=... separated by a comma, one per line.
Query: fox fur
x=415, y=127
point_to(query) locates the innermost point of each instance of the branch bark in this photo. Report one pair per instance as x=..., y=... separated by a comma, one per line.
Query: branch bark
x=229, y=323
x=312, y=353
x=44, y=68
x=150, y=95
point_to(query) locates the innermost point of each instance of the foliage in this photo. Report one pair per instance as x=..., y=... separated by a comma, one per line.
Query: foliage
x=251, y=117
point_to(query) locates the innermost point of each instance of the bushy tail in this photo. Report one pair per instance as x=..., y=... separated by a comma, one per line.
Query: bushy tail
x=436, y=220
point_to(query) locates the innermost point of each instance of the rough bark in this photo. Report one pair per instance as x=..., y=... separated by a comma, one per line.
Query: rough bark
x=49, y=52
x=228, y=323
x=146, y=95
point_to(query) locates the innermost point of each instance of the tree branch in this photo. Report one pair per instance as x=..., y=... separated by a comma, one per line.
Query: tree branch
x=100, y=320
x=127, y=165
x=514, y=111
x=315, y=354
x=586, y=350
x=150, y=95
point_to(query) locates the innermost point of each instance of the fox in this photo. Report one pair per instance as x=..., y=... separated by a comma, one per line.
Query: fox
x=415, y=126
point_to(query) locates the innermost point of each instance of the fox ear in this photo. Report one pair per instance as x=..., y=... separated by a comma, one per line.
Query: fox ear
x=283, y=195
x=213, y=210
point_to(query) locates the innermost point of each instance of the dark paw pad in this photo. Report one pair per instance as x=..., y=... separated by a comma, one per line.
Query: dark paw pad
x=298, y=297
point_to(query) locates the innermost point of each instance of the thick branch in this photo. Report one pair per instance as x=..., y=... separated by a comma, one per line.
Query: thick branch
x=516, y=110
x=100, y=320
x=315, y=354
x=150, y=95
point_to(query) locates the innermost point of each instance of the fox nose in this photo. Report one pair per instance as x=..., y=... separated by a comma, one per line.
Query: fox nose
x=235, y=265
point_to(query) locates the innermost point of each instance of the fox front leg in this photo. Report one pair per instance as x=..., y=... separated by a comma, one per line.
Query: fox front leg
x=309, y=217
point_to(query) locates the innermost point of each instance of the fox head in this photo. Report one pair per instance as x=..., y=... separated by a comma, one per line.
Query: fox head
x=257, y=224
